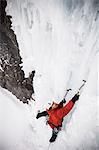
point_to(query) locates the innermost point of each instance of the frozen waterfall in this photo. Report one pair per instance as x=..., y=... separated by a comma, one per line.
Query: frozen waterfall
x=60, y=40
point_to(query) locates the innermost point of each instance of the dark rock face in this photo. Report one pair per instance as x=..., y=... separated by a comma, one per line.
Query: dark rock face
x=11, y=74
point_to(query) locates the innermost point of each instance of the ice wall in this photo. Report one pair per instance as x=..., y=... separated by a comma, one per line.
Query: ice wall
x=15, y=124
x=59, y=39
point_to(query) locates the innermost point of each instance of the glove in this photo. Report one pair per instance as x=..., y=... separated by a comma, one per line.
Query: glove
x=63, y=101
x=75, y=98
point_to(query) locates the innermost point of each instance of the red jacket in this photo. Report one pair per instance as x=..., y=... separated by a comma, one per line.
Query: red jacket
x=56, y=115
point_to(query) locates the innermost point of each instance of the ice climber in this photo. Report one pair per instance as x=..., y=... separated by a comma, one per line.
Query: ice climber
x=56, y=113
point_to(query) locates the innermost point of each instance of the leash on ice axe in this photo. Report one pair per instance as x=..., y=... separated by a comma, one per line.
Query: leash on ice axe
x=84, y=81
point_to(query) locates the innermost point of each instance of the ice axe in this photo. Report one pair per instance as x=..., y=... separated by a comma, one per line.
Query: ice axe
x=64, y=95
x=67, y=92
x=84, y=81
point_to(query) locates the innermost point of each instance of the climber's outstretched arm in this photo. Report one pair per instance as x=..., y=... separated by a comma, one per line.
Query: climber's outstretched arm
x=67, y=108
x=41, y=114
